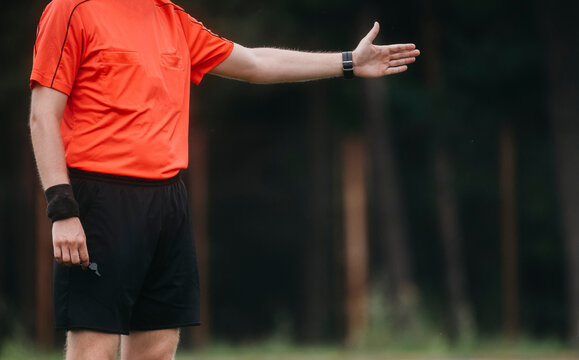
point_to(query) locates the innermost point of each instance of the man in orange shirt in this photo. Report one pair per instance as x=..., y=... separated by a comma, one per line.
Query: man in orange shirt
x=109, y=123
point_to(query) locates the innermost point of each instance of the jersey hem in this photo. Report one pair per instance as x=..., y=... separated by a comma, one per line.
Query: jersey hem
x=121, y=179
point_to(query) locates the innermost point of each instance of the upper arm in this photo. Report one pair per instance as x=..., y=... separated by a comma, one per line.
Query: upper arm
x=241, y=64
x=59, y=46
x=46, y=103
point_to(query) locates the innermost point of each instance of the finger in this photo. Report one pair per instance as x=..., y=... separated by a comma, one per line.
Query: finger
x=74, y=257
x=407, y=54
x=373, y=32
x=396, y=70
x=395, y=63
x=58, y=254
x=397, y=48
x=66, y=256
x=84, y=258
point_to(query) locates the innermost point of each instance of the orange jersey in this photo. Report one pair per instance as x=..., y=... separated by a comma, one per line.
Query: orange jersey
x=126, y=66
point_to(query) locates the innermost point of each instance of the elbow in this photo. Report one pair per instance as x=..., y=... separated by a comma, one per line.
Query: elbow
x=41, y=125
x=255, y=75
x=36, y=122
x=33, y=122
x=257, y=71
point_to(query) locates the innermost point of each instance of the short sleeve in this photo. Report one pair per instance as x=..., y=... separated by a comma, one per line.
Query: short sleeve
x=206, y=48
x=58, y=47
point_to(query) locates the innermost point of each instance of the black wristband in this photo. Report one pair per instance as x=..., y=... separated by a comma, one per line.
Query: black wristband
x=61, y=202
x=347, y=65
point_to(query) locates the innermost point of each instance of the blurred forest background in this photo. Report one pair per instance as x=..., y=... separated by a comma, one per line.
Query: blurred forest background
x=440, y=202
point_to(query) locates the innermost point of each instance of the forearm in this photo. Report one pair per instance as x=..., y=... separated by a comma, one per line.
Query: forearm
x=277, y=65
x=49, y=152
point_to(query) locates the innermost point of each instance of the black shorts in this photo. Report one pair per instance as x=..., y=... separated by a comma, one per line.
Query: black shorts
x=139, y=235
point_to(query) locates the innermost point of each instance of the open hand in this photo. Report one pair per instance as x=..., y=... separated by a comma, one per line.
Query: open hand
x=379, y=60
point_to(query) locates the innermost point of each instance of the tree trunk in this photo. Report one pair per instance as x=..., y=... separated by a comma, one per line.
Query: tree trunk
x=316, y=251
x=461, y=321
x=355, y=240
x=559, y=28
x=391, y=222
x=565, y=123
x=198, y=185
x=509, y=232
x=25, y=245
x=4, y=234
x=44, y=265
x=459, y=310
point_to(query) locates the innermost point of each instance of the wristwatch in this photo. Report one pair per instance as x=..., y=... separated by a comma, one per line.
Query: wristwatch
x=347, y=65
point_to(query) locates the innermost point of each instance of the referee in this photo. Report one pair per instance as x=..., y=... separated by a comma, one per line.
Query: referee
x=109, y=123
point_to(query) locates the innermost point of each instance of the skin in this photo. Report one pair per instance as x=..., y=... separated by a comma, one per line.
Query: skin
x=267, y=65
x=259, y=65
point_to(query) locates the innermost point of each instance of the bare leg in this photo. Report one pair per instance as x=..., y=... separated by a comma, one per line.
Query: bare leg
x=91, y=345
x=150, y=345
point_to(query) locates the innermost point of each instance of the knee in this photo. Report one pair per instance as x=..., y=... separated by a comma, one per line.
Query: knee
x=88, y=345
x=157, y=345
x=152, y=352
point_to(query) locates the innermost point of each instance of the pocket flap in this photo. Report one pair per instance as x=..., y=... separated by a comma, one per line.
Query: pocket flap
x=119, y=57
x=172, y=61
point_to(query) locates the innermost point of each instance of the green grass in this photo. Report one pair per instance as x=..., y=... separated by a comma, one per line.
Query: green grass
x=279, y=349
x=15, y=350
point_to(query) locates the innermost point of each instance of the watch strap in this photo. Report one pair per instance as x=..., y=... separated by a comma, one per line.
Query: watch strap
x=347, y=65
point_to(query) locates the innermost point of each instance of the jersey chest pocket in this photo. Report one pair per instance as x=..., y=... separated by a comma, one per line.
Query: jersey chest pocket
x=123, y=78
x=174, y=79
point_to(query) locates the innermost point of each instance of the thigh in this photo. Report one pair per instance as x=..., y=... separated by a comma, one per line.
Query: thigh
x=88, y=345
x=169, y=297
x=153, y=345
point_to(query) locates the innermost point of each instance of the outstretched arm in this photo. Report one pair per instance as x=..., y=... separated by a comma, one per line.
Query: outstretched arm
x=270, y=65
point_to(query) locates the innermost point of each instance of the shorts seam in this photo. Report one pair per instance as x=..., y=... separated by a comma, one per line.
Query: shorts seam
x=92, y=328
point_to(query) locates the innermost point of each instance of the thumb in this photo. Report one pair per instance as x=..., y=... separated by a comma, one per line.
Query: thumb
x=373, y=32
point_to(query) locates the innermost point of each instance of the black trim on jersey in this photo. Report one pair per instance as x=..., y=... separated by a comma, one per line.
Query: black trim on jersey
x=64, y=42
x=209, y=31
x=176, y=8
x=36, y=47
x=82, y=46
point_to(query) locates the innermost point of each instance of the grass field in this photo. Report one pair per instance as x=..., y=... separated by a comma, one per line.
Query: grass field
x=279, y=350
